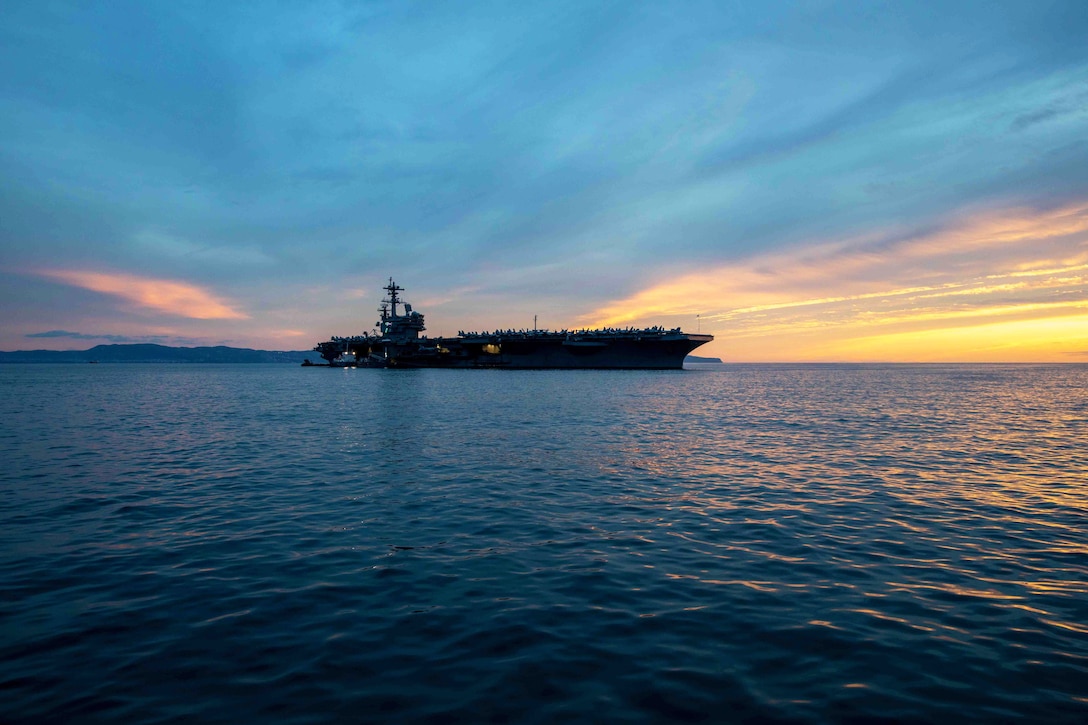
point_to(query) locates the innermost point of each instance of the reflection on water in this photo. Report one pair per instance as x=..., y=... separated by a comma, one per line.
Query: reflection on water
x=782, y=542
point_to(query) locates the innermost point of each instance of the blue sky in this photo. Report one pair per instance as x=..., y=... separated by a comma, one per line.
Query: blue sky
x=191, y=173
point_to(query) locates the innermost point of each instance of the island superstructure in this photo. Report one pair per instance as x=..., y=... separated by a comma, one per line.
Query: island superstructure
x=398, y=343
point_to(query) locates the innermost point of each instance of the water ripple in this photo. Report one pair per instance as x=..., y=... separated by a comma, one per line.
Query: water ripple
x=797, y=543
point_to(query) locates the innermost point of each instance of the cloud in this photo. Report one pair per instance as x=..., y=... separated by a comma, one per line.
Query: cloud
x=161, y=339
x=991, y=283
x=173, y=297
x=552, y=156
x=73, y=335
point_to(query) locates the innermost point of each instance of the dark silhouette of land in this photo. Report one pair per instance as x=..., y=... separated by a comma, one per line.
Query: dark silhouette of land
x=148, y=353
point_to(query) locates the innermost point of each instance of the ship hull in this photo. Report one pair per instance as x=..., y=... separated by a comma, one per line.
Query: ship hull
x=547, y=353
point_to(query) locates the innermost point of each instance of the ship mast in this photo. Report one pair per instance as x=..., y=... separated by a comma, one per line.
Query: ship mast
x=392, y=289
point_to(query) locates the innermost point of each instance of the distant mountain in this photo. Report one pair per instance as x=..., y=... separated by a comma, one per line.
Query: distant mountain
x=147, y=353
x=697, y=359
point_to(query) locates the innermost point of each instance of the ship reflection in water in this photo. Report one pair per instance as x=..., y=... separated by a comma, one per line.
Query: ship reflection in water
x=398, y=344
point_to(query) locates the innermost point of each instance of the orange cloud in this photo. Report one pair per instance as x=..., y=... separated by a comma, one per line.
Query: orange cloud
x=1011, y=285
x=175, y=298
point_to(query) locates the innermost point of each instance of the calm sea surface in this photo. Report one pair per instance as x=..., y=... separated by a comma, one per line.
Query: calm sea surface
x=785, y=543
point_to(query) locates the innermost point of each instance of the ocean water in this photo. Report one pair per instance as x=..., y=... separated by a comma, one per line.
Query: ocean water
x=725, y=543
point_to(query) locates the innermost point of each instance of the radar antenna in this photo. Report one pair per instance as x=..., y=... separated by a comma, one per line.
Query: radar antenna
x=393, y=289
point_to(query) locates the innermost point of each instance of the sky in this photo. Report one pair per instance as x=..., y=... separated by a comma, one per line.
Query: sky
x=807, y=181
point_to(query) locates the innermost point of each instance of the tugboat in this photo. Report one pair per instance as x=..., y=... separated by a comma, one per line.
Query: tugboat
x=397, y=343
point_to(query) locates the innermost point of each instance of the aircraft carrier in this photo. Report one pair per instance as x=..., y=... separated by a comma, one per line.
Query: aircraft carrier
x=397, y=343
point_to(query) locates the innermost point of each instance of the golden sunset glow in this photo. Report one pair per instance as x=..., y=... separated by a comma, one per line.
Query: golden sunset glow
x=170, y=296
x=1004, y=286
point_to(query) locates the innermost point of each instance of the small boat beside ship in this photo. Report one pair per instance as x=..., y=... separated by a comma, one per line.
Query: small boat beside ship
x=398, y=344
